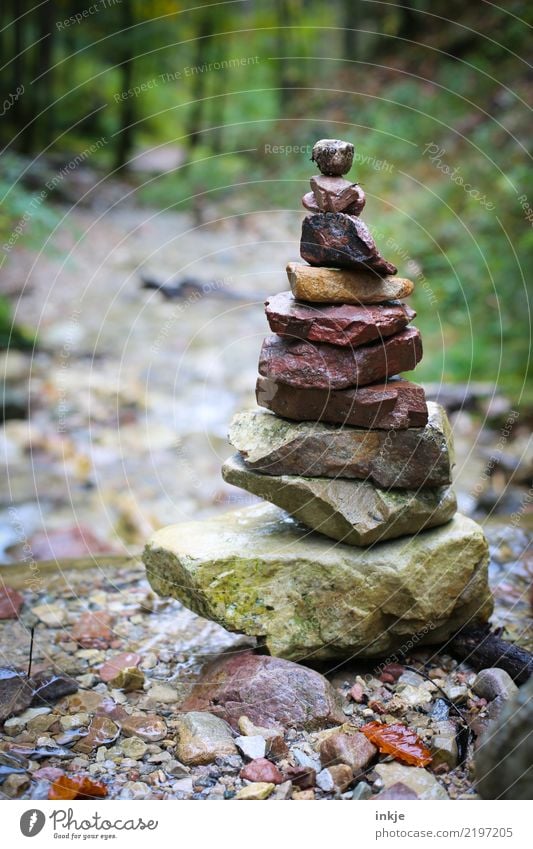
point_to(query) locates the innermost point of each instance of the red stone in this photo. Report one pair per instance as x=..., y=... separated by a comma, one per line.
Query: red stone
x=268, y=690
x=396, y=404
x=342, y=241
x=335, y=194
x=262, y=769
x=321, y=366
x=10, y=603
x=93, y=630
x=63, y=543
x=309, y=202
x=114, y=665
x=342, y=324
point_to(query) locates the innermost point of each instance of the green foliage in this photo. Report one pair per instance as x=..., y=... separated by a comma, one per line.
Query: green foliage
x=225, y=83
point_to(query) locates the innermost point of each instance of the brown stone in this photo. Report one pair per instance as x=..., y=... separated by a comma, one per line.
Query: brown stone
x=397, y=792
x=334, y=194
x=262, y=769
x=344, y=324
x=397, y=404
x=322, y=366
x=114, y=665
x=339, y=286
x=93, y=630
x=268, y=690
x=102, y=731
x=352, y=749
x=303, y=777
x=309, y=202
x=149, y=727
x=413, y=458
x=333, y=156
x=338, y=239
x=10, y=603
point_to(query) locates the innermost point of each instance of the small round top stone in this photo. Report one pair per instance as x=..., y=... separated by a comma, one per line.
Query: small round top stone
x=333, y=156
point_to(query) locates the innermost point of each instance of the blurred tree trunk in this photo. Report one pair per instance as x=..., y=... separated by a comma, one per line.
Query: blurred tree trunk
x=284, y=80
x=351, y=20
x=127, y=105
x=199, y=79
x=43, y=87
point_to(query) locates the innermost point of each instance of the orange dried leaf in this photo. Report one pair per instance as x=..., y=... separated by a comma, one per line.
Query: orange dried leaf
x=399, y=741
x=76, y=787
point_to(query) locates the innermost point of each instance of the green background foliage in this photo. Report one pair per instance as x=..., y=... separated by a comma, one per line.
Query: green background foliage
x=392, y=77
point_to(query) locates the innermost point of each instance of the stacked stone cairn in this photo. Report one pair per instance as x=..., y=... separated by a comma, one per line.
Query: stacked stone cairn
x=364, y=550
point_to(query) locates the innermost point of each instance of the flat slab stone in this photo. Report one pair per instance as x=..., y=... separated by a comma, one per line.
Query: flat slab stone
x=353, y=512
x=343, y=325
x=335, y=194
x=396, y=404
x=341, y=240
x=257, y=571
x=317, y=365
x=339, y=286
x=405, y=459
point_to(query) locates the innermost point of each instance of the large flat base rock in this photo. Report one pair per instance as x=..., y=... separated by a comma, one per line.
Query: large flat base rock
x=259, y=572
x=318, y=365
x=395, y=404
x=404, y=459
x=339, y=286
x=353, y=512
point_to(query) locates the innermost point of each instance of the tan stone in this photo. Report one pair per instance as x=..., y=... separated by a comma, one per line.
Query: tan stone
x=338, y=286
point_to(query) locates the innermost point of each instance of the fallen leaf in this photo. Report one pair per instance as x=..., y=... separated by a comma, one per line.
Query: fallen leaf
x=76, y=787
x=399, y=741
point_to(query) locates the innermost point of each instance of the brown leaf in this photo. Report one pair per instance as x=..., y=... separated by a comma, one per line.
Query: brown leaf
x=399, y=741
x=76, y=787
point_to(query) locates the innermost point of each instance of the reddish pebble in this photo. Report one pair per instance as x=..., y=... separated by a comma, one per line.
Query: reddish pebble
x=357, y=693
x=301, y=776
x=391, y=672
x=114, y=665
x=93, y=630
x=262, y=769
x=10, y=603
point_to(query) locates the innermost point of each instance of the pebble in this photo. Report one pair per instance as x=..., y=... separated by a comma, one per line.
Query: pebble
x=419, y=780
x=134, y=748
x=129, y=679
x=302, y=777
x=362, y=791
x=50, y=614
x=352, y=749
x=110, y=669
x=203, y=737
x=257, y=790
x=148, y=727
x=444, y=751
x=10, y=603
x=397, y=792
x=252, y=747
x=333, y=156
x=262, y=770
x=493, y=682
x=283, y=791
x=334, y=778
